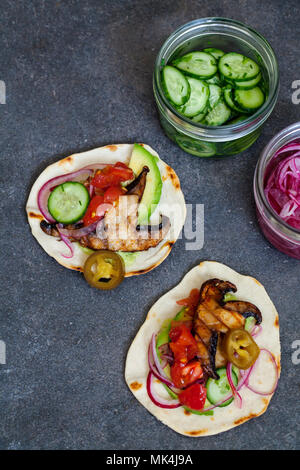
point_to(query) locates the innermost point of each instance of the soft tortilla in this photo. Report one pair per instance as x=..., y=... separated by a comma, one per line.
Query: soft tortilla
x=139, y=262
x=136, y=370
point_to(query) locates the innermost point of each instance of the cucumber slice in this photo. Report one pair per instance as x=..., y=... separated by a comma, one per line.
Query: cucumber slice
x=68, y=202
x=217, y=53
x=217, y=389
x=197, y=64
x=229, y=100
x=249, y=100
x=215, y=93
x=218, y=115
x=238, y=67
x=215, y=80
x=198, y=98
x=247, y=84
x=175, y=85
x=196, y=147
x=200, y=116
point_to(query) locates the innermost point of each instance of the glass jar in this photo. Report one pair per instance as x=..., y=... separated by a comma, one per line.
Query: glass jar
x=228, y=35
x=284, y=237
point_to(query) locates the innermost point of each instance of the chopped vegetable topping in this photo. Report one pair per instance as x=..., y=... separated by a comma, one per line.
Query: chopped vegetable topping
x=176, y=360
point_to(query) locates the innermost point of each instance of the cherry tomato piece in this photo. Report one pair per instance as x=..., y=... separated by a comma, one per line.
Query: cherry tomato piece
x=191, y=301
x=193, y=397
x=90, y=216
x=185, y=374
x=183, y=344
x=112, y=176
x=112, y=194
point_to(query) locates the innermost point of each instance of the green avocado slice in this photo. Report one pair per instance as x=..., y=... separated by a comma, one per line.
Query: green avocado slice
x=163, y=336
x=140, y=157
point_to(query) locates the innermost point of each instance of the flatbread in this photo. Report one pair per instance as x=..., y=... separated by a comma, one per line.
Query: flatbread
x=136, y=369
x=139, y=262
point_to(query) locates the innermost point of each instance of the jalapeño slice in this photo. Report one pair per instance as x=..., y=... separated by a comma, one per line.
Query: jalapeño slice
x=104, y=269
x=240, y=348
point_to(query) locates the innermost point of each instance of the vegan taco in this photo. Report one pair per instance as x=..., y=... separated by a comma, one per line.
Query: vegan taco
x=119, y=198
x=207, y=358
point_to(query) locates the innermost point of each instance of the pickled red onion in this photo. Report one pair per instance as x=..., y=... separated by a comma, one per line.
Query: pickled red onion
x=282, y=187
x=250, y=387
x=237, y=396
x=158, y=400
x=67, y=242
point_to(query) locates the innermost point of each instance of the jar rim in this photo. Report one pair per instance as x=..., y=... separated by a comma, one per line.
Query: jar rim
x=285, y=136
x=185, y=124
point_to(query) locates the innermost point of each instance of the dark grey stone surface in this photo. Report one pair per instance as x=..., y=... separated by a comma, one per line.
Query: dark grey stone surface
x=78, y=75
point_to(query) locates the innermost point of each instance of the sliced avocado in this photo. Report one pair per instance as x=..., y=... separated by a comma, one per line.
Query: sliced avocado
x=163, y=336
x=182, y=315
x=140, y=157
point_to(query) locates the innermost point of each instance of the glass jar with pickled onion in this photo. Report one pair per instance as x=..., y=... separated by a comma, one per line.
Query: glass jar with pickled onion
x=277, y=190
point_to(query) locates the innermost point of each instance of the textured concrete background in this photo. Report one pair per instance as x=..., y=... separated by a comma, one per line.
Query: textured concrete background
x=78, y=75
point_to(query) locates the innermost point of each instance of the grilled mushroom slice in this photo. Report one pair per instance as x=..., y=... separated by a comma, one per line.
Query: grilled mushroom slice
x=216, y=289
x=246, y=309
x=49, y=229
x=212, y=320
x=137, y=186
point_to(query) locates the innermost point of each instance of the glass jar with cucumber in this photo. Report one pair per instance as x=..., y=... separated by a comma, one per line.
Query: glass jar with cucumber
x=215, y=84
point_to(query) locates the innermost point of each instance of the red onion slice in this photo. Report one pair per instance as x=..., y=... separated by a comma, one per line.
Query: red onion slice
x=67, y=242
x=224, y=400
x=282, y=188
x=158, y=400
x=245, y=374
x=162, y=377
x=156, y=359
x=256, y=330
x=287, y=148
x=43, y=194
x=237, y=396
x=250, y=387
x=79, y=232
